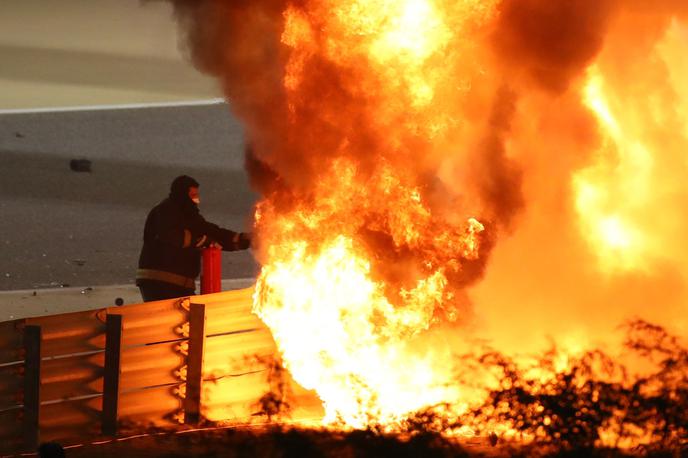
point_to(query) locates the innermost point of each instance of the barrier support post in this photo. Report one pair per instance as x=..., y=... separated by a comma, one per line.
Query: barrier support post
x=32, y=386
x=111, y=375
x=194, y=364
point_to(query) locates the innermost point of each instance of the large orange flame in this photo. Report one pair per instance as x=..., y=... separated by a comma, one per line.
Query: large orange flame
x=344, y=329
x=395, y=142
x=357, y=267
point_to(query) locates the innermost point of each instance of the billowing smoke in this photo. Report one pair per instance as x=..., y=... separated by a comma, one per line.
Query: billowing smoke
x=560, y=125
x=550, y=42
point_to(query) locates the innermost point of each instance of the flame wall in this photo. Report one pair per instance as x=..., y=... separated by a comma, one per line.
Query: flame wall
x=379, y=129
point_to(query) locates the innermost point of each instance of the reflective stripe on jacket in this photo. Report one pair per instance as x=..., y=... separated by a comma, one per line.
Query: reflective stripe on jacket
x=167, y=277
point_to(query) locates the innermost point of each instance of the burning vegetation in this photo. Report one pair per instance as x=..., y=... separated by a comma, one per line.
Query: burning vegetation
x=440, y=174
x=556, y=403
x=552, y=405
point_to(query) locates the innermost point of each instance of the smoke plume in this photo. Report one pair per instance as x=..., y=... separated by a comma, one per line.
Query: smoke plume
x=563, y=130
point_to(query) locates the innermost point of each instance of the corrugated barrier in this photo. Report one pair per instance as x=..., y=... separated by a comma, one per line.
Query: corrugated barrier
x=80, y=376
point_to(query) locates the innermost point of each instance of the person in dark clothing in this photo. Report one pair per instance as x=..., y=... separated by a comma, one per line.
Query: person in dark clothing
x=173, y=237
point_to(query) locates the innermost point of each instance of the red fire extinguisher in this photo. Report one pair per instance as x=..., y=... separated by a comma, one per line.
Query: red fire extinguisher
x=211, y=274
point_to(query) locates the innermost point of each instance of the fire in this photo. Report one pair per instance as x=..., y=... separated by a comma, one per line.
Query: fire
x=345, y=328
x=358, y=266
x=362, y=265
x=612, y=193
x=627, y=198
x=436, y=172
x=340, y=350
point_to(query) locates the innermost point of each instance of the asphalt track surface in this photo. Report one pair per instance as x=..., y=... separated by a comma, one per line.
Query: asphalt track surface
x=60, y=227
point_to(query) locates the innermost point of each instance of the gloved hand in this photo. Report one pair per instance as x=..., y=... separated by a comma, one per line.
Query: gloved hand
x=245, y=240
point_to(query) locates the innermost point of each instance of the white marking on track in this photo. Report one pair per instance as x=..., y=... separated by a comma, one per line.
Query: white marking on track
x=125, y=106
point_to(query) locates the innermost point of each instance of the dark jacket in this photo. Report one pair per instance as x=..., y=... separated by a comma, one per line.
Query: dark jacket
x=173, y=237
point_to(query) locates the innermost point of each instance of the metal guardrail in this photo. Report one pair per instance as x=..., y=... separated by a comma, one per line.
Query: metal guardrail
x=159, y=363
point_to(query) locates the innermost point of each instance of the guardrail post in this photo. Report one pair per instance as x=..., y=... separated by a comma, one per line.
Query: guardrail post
x=32, y=386
x=211, y=275
x=111, y=374
x=194, y=364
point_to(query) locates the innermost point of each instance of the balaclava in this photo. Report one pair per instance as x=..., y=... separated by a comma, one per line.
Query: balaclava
x=179, y=191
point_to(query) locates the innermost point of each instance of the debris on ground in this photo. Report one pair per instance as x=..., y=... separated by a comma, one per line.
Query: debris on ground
x=80, y=165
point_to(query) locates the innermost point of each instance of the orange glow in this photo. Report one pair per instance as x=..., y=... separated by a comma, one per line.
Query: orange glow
x=612, y=193
x=436, y=173
x=358, y=269
x=626, y=197
x=363, y=258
